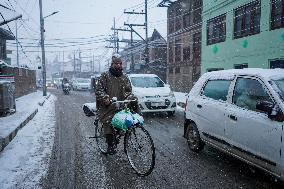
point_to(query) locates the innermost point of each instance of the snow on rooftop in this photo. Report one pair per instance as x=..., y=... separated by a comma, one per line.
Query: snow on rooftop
x=142, y=75
x=263, y=73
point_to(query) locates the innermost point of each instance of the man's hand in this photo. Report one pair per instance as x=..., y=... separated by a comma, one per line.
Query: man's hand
x=132, y=97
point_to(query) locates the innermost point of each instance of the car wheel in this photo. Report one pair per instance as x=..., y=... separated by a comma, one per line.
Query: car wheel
x=193, y=138
x=171, y=113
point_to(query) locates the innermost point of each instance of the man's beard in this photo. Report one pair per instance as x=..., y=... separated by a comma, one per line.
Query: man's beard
x=115, y=72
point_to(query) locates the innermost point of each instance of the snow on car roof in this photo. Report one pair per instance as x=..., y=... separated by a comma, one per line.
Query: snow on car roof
x=142, y=75
x=262, y=73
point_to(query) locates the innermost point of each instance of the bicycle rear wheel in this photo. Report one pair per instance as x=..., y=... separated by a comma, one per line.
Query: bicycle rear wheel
x=100, y=138
x=140, y=150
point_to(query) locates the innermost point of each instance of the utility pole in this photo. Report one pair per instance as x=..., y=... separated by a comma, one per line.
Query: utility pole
x=18, y=64
x=42, y=48
x=80, y=63
x=114, y=37
x=63, y=63
x=93, y=64
x=74, y=69
x=132, y=57
x=146, y=29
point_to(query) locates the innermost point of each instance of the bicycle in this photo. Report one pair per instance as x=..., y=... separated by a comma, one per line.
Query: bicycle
x=138, y=143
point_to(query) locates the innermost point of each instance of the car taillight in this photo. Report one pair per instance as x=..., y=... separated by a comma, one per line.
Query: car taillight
x=185, y=104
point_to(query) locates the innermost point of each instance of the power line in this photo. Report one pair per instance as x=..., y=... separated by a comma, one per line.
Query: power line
x=16, y=39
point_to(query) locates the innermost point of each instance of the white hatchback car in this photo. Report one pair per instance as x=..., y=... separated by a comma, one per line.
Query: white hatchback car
x=241, y=113
x=81, y=84
x=153, y=94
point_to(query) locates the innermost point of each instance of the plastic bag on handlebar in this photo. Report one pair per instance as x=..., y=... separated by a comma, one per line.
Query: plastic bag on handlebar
x=125, y=119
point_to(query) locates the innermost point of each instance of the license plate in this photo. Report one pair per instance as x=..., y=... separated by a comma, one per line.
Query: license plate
x=157, y=104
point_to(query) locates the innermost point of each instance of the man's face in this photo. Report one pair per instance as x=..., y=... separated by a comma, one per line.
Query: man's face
x=117, y=64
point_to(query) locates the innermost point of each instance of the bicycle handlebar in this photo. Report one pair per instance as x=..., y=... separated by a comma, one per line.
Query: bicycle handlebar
x=121, y=101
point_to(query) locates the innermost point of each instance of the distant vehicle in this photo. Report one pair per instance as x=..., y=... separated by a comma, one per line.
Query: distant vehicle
x=153, y=94
x=49, y=83
x=57, y=82
x=239, y=112
x=81, y=84
x=66, y=88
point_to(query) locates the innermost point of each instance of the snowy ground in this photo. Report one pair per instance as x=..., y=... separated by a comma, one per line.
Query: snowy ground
x=25, y=160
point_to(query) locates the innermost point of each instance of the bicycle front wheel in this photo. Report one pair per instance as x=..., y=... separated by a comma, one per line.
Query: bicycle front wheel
x=100, y=137
x=140, y=150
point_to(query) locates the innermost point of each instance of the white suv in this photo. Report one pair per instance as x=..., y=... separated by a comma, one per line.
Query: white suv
x=241, y=113
x=153, y=94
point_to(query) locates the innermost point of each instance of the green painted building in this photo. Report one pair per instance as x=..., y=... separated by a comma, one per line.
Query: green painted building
x=242, y=33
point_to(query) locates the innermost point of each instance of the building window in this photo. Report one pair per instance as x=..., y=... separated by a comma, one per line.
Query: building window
x=171, y=27
x=178, y=70
x=171, y=70
x=247, y=20
x=240, y=66
x=171, y=16
x=178, y=24
x=214, y=69
x=178, y=20
x=178, y=50
x=186, y=20
x=277, y=14
x=277, y=63
x=186, y=53
x=196, y=45
x=216, y=30
x=197, y=11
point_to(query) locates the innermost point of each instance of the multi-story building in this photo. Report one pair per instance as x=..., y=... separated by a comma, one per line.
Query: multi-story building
x=157, y=56
x=243, y=33
x=184, y=43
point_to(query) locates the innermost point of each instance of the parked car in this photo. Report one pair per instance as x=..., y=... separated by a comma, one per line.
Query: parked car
x=239, y=112
x=153, y=94
x=81, y=84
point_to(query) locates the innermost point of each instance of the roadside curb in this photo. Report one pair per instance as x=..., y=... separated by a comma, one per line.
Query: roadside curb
x=43, y=101
x=5, y=141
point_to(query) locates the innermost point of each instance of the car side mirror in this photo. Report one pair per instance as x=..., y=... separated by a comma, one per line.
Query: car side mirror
x=272, y=110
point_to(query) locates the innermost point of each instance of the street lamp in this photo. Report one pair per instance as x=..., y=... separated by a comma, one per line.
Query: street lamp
x=42, y=46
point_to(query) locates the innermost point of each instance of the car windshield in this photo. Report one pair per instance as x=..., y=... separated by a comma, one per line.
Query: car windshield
x=279, y=87
x=147, y=82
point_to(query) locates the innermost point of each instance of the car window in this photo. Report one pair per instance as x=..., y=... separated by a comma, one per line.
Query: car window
x=248, y=92
x=279, y=87
x=217, y=89
x=146, y=82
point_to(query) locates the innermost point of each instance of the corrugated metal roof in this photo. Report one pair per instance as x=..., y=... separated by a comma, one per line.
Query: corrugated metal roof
x=5, y=34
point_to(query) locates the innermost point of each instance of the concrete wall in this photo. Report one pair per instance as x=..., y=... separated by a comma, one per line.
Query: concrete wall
x=255, y=50
x=25, y=80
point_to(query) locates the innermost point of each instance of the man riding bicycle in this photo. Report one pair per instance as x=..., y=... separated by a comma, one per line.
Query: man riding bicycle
x=113, y=83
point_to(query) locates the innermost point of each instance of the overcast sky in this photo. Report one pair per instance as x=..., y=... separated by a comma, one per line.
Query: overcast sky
x=84, y=22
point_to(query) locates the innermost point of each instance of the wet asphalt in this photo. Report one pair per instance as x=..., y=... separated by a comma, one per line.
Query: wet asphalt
x=77, y=163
